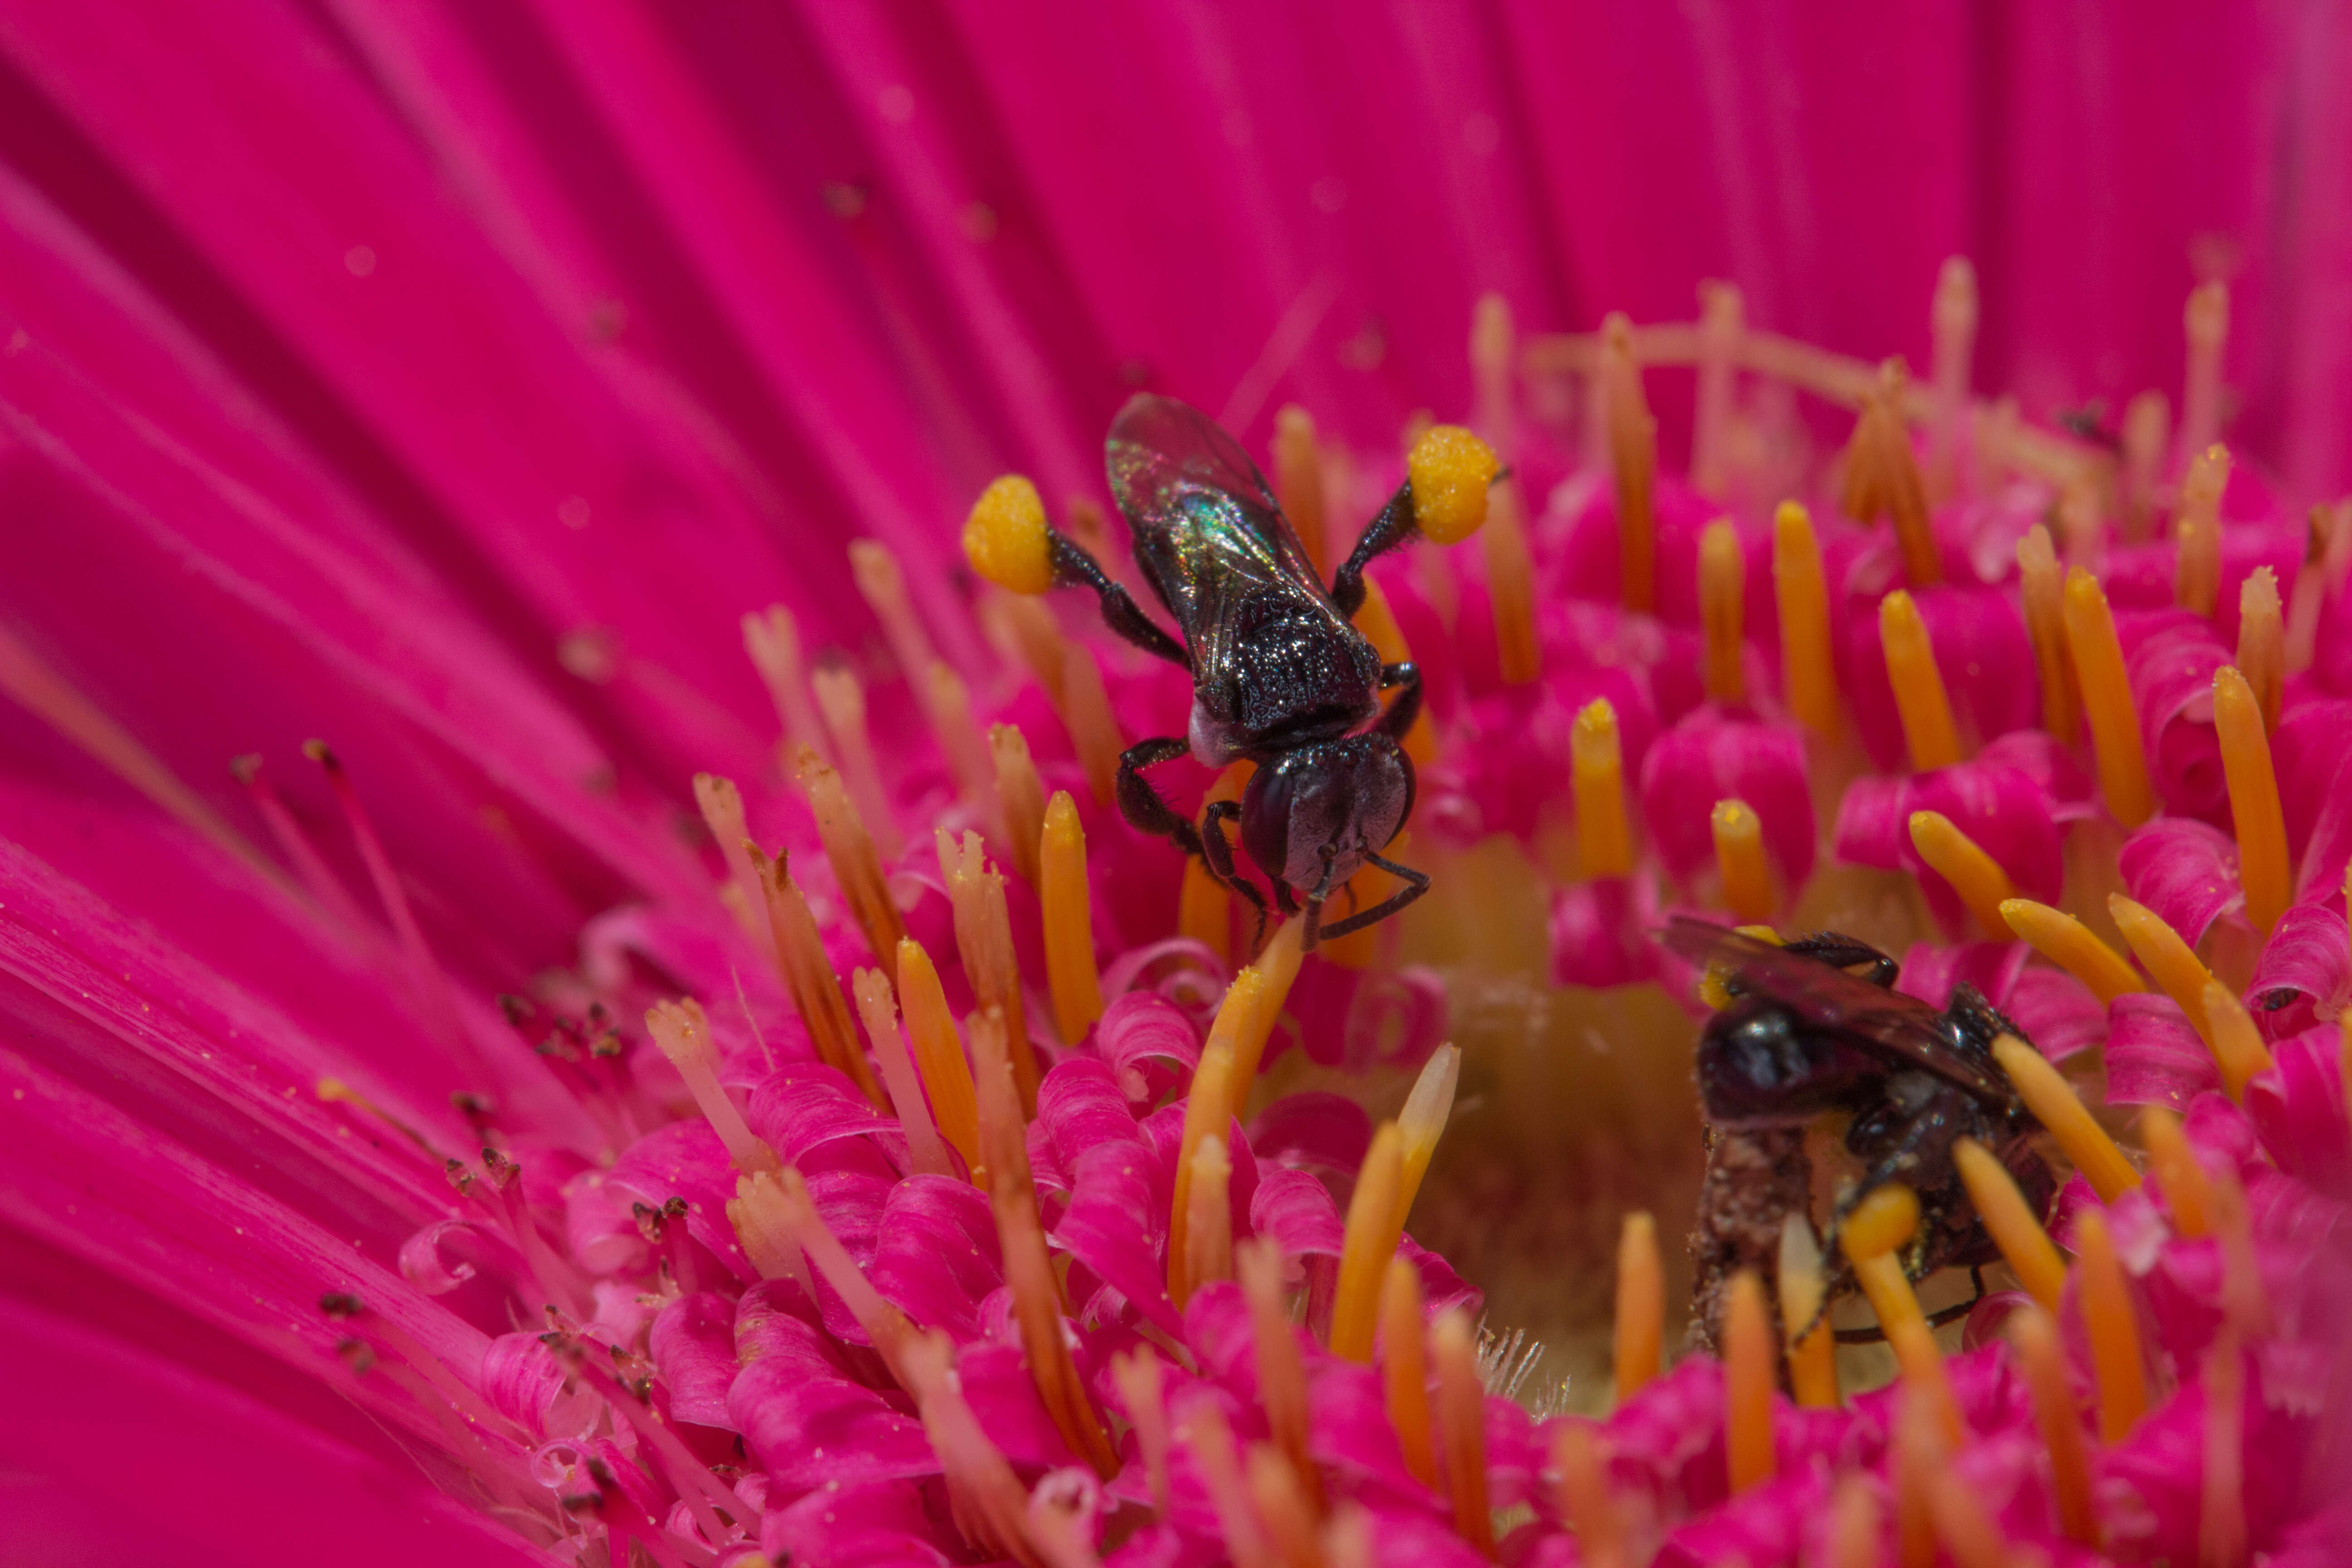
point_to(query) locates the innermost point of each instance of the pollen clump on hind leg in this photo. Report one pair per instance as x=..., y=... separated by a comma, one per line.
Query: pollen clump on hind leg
x=1450, y=469
x=1005, y=538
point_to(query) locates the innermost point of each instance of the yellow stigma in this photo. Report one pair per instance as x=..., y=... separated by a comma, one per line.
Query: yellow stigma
x=2187, y=1193
x=1068, y=911
x=2262, y=642
x=1881, y=1222
x=1405, y=1374
x=1462, y=1426
x=1369, y=1242
x=1005, y=537
x=1722, y=588
x=1449, y=470
x=2016, y=1229
x=1974, y=875
x=2107, y=700
x=1640, y=1318
x=1919, y=697
x=2069, y=944
x=2056, y=1106
x=1808, y=668
x=1739, y=857
x=2263, y=868
x=1749, y=1363
x=2197, y=574
x=2042, y=585
x=2034, y=1332
x=2109, y=1321
x=2167, y=957
x=1874, y=1236
x=1604, y=837
x=2237, y=1041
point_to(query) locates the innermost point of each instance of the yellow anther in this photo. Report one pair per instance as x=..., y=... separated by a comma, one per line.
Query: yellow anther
x=1450, y=469
x=1005, y=538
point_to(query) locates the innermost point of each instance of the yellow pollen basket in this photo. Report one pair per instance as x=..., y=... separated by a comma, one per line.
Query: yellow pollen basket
x=1005, y=538
x=1450, y=469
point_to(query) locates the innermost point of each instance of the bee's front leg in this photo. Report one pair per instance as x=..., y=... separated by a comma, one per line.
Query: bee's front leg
x=1140, y=804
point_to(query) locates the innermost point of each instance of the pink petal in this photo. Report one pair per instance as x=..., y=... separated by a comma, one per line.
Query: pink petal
x=2057, y=1012
x=936, y=1254
x=1359, y=1019
x=1600, y=933
x=810, y=1113
x=1714, y=755
x=1004, y=1396
x=872, y=1523
x=1929, y=973
x=2000, y=806
x=1981, y=652
x=693, y=1345
x=1298, y=1211
x=1324, y=1133
x=2305, y=973
x=1149, y=1043
x=2154, y=1056
x=2186, y=871
x=2170, y=657
x=2298, y=1108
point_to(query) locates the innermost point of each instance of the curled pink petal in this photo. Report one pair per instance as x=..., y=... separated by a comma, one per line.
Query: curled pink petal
x=2184, y=870
x=2171, y=667
x=524, y=1383
x=2298, y=1107
x=1297, y=1212
x=2304, y=974
x=867, y=1522
x=2002, y=808
x=1929, y=972
x=809, y=1113
x=693, y=1345
x=599, y=1228
x=421, y=1263
x=1981, y=651
x=1600, y=933
x=2057, y=1012
x=936, y=1254
x=1363, y=1018
x=1002, y=1395
x=1149, y=1042
x=1314, y=1132
x=1714, y=755
x=2154, y=1056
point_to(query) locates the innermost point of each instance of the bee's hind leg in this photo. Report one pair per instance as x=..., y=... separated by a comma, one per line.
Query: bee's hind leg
x=1140, y=804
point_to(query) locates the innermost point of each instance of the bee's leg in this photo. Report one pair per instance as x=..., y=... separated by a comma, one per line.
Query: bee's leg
x=1073, y=567
x=1935, y=1319
x=1844, y=953
x=1415, y=884
x=1978, y=1019
x=1391, y=528
x=1141, y=804
x=1407, y=707
x=1217, y=854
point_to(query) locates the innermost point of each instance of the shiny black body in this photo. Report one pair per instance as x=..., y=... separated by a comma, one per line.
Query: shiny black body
x=1804, y=1036
x=1280, y=678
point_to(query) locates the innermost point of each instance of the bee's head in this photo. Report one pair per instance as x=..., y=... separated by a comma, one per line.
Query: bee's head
x=1310, y=816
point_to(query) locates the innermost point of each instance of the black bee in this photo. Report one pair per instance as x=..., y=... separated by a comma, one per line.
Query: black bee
x=1279, y=674
x=1803, y=1036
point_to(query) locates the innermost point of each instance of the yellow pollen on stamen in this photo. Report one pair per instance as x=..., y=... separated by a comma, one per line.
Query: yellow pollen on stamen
x=2107, y=700
x=2034, y=1332
x=2069, y=944
x=2016, y=1229
x=1722, y=589
x=763, y=1221
x=1207, y=1111
x=1920, y=700
x=2114, y=1330
x=683, y=1033
x=1974, y=875
x=855, y=861
x=1423, y=1121
x=1203, y=906
x=1882, y=477
x=2197, y=573
x=2221, y=1482
x=1276, y=968
x=773, y=640
x=2067, y=1120
x=1368, y=1243
x=1005, y=536
x=2168, y=959
x=810, y=980
x=2262, y=642
x=2262, y=869
x=722, y=805
x=843, y=697
x=1208, y=1218
x=984, y=941
x=1094, y=728
x=1281, y=1369
x=1275, y=1488
x=2205, y=322
x=1022, y=794
x=1853, y=1526
x=1068, y=911
x=1813, y=1356
x=1800, y=590
x=1451, y=471
x=1404, y=1371
x=1633, y=455
x=878, y=1011
x=1137, y=1375
x=1640, y=1325
x=1748, y=1376
x=1461, y=1426
x=2187, y=1193
x=948, y=701
x=1298, y=478
x=1739, y=859
x=1873, y=1237
x=1376, y=621
x=1604, y=840
x=2042, y=585
x=938, y=1054
x=1584, y=1498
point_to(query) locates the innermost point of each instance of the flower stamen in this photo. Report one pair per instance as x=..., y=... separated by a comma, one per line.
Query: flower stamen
x=2114, y=1330
x=1748, y=1374
x=2221, y=1505
x=2107, y=700
x=850, y=851
x=296, y=843
x=1852, y=1540
x=1208, y=1219
x=722, y=805
x=878, y=1009
x=1634, y=458
x=1638, y=1346
x=1086, y=713
x=2014, y=1226
x=808, y=978
x=1276, y=968
x=430, y=978
x=772, y=641
x=2261, y=642
x=1585, y=1498
x=1208, y=1109
x=1974, y=875
x=2187, y=1193
x=948, y=701
x=2245, y=1303
x=1812, y=1355
x=2069, y=944
x=2034, y=1333
x=1368, y=1244
x=1970, y=1535
x=1881, y=477
x=1952, y=320
x=1800, y=590
x=683, y=1032
x=2205, y=322
x=1404, y=1370
x=2196, y=570
x=2237, y=1039
x=842, y=697
x=1461, y=1426
x=987, y=1499
x=1281, y=1370
x=1722, y=324
x=2240, y=725
x=2170, y=961
x=1137, y=1374
x=1874, y=1236
x=1604, y=840
x=1920, y=699
x=1205, y=1431
x=1275, y=1487
x=938, y=1054
x=984, y=940
x=1023, y=796
x=1423, y=1121
x=2065, y=1118
x=883, y=587
x=1068, y=919
x=1722, y=587
x=1298, y=480
x=2041, y=586
x=1739, y=860
x=2147, y=433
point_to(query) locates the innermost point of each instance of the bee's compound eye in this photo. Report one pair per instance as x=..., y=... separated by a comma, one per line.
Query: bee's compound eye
x=1005, y=537
x=1450, y=469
